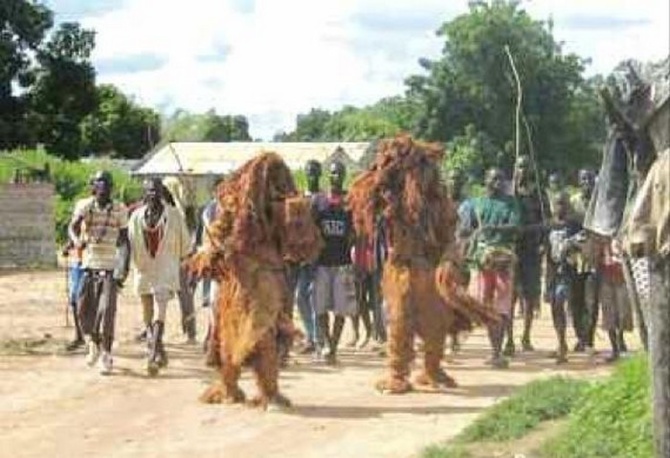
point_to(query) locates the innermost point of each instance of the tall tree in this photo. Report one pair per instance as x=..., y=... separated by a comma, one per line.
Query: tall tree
x=64, y=91
x=23, y=25
x=119, y=126
x=472, y=84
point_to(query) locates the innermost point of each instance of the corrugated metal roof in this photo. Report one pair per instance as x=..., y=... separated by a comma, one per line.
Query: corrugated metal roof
x=202, y=158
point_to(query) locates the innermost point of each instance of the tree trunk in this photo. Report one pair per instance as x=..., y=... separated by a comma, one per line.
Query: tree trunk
x=659, y=346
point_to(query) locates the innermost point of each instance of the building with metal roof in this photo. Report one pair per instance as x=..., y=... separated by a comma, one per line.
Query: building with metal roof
x=204, y=158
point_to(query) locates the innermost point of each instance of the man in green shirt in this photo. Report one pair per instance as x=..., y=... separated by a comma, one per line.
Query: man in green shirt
x=494, y=219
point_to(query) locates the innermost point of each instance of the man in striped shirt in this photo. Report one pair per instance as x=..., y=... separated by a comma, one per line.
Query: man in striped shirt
x=99, y=229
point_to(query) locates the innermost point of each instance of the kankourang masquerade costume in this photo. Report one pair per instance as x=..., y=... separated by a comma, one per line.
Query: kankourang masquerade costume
x=261, y=224
x=421, y=285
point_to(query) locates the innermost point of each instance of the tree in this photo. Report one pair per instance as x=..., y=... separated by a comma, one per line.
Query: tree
x=119, y=126
x=385, y=118
x=208, y=127
x=472, y=84
x=64, y=91
x=23, y=25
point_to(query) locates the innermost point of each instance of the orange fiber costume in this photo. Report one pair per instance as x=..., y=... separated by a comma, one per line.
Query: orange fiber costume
x=261, y=223
x=423, y=292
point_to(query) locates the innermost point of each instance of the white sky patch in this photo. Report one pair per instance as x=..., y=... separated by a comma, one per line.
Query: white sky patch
x=288, y=56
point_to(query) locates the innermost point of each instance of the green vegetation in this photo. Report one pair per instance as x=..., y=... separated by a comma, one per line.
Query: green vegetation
x=183, y=126
x=607, y=419
x=70, y=180
x=48, y=91
x=536, y=402
x=613, y=419
x=466, y=97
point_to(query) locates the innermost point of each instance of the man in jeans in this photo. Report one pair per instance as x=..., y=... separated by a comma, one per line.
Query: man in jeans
x=301, y=277
x=99, y=228
x=334, y=282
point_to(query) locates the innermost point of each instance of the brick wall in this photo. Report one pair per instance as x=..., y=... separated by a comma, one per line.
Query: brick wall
x=27, y=225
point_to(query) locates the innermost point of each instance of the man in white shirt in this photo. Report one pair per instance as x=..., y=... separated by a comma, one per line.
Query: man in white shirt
x=158, y=241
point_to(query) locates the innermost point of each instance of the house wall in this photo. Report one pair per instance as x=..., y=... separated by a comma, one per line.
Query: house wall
x=27, y=225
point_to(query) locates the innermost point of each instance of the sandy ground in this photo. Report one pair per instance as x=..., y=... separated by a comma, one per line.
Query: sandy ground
x=51, y=404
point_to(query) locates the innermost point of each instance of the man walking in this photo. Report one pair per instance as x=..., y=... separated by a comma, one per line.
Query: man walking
x=334, y=282
x=99, y=228
x=158, y=241
x=495, y=219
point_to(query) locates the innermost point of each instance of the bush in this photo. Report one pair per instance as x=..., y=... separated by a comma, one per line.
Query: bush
x=612, y=421
x=70, y=179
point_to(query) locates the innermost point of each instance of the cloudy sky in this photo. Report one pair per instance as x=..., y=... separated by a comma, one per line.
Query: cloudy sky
x=273, y=59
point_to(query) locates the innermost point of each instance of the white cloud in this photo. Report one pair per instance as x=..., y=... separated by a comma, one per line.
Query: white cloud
x=281, y=58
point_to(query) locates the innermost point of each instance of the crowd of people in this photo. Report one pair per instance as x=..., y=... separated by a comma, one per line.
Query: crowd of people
x=511, y=242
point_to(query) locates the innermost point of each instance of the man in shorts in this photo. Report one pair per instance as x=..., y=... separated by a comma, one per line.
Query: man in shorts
x=334, y=279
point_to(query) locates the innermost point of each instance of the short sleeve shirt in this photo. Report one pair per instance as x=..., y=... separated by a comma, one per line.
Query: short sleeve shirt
x=337, y=230
x=100, y=231
x=495, y=211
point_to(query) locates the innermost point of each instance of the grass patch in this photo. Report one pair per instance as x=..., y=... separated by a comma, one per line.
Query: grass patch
x=510, y=419
x=536, y=402
x=613, y=420
x=448, y=451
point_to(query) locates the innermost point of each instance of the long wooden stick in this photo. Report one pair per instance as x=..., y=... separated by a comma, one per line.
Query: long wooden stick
x=517, y=115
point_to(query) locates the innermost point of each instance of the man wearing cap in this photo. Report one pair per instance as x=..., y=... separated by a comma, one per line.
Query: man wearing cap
x=99, y=229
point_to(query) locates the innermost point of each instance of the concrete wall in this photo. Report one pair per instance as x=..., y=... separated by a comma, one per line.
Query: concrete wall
x=27, y=225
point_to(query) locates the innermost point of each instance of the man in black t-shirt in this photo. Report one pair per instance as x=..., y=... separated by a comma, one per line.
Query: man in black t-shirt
x=334, y=281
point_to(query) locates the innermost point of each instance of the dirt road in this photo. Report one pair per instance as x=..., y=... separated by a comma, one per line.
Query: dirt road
x=51, y=404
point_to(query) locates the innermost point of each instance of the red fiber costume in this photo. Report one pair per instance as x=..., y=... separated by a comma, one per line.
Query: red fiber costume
x=261, y=224
x=423, y=292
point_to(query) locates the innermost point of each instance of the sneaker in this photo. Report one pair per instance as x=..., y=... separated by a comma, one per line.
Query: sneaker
x=93, y=354
x=106, y=363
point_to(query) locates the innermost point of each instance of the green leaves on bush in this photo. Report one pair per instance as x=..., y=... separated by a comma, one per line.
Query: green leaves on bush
x=70, y=179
